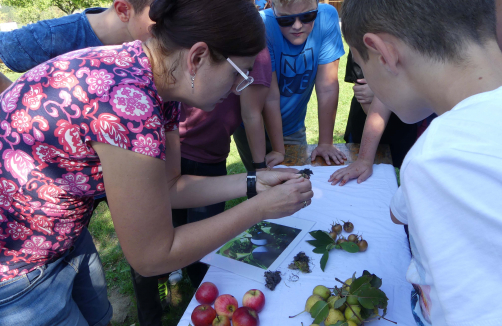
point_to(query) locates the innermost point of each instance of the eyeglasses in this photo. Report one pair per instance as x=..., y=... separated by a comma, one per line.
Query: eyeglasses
x=305, y=18
x=248, y=80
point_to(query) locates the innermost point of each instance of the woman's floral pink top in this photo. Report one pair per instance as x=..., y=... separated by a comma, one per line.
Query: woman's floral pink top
x=49, y=173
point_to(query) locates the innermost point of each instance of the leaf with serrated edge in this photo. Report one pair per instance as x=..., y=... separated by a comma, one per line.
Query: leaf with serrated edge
x=350, y=247
x=319, y=311
x=321, y=235
x=339, y=302
x=319, y=250
x=324, y=260
x=358, y=283
x=318, y=243
x=372, y=297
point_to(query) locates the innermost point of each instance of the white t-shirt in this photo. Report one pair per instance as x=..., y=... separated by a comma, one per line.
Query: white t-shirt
x=451, y=199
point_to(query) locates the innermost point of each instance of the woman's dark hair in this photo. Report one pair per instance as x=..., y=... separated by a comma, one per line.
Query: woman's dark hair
x=228, y=27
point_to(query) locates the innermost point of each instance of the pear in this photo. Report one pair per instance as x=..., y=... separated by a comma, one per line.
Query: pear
x=332, y=300
x=350, y=323
x=322, y=291
x=349, y=315
x=334, y=316
x=311, y=301
x=352, y=300
x=348, y=282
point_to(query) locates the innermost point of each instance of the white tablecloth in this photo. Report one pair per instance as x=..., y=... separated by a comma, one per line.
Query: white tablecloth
x=367, y=206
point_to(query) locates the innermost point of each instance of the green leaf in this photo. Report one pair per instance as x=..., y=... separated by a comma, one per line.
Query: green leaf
x=330, y=246
x=376, y=281
x=366, y=313
x=372, y=297
x=338, y=247
x=339, y=302
x=322, y=236
x=324, y=260
x=319, y=250
x=318, y=243
x=359, y=283
x=350, y=247
x=319, y=311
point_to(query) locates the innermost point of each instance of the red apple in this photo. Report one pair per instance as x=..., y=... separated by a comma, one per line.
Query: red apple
x=207, y=293
x=254, y=299
x=225, y=305
x=203, y=315
x=221, y=321
x=245, y=316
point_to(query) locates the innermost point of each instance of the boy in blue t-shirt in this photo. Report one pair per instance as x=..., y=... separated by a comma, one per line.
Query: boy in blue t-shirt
x=31, y=45
x=305, y=46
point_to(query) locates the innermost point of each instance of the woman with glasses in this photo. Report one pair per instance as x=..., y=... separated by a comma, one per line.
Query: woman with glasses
x=305, y=43
x=93, y=121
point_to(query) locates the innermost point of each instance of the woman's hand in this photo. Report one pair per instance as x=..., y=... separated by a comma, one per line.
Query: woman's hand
x=284, y=199
x=268, y=179
x=273, y=158
x=360, y=169
x=363, y=92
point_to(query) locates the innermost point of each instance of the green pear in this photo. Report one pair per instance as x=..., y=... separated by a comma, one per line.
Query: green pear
x=332, y=300
x=352, y=300
x=334, y=316
x=349, y=315
x=322, y=291
x=348, y=282
x=351, y=323
x=311, y=301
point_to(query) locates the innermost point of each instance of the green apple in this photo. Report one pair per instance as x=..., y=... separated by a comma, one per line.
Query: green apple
x=311, y=301
x=322, y=291
x=349, y=315
x=334, y=316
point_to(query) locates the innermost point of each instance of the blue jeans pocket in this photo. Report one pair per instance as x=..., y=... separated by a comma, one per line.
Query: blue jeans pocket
x=18, y=286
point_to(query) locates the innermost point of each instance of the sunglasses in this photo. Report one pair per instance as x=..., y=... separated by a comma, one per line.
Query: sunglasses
x=305, y=18
x=248, y=80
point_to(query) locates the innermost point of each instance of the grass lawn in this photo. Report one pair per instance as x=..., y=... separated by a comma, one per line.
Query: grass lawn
x=102, y=229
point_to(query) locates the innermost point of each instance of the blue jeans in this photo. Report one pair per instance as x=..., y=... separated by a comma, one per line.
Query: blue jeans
x=68, y=291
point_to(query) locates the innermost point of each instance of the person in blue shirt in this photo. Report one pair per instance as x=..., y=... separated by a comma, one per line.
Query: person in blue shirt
x=31, y=45
x=305, y=46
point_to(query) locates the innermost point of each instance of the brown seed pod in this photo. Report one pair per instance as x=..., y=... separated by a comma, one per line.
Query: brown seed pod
x=352, y=238
x=333, y=235
x=363, y=245
x=348, y=227
x=341, y=240
x=336, y=228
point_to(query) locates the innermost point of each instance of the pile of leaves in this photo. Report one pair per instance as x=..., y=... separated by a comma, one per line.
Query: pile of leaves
x=366, y=289
x=301, y=262
x=272, y=279
x=306, y=173
x=323, y=243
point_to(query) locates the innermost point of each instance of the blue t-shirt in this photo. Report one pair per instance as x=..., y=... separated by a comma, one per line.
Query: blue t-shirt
x=260, y=3
x=296, y=65
x=27, y=47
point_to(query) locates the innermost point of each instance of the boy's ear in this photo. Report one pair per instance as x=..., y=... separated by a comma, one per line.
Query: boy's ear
x=385, y=51
x=124, y=10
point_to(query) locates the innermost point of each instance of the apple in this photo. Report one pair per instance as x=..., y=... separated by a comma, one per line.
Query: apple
x=254, y=299
x=207, y=293
x=221, y=321
x=203, y=315
x=225, y=305
x=245, y=316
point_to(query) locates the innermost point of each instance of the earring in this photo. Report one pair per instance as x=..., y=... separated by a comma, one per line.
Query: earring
x=192, y=78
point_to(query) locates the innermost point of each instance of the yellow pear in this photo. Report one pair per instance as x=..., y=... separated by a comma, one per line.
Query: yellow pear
x=349, y=314
x=334, y=316
x=332, y=300
x=311, y=301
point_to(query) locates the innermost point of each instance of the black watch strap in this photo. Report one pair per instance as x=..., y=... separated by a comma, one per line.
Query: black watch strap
x=261, y=165
x=251, y=184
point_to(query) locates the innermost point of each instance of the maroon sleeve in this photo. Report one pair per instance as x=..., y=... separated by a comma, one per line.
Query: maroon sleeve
x=262, y=69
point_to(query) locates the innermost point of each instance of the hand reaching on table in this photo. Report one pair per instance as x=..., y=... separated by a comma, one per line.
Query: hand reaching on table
x=360, y=169
x=285, y=199
x=328, y=151
x=273, y=158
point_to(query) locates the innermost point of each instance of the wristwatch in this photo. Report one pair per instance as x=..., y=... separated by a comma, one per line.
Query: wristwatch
x=261, y=165
x=251, y=183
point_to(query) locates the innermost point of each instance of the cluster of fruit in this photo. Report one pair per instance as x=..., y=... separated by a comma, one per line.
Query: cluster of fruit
x=336, y=230
x=357, y=301
x=226, y=307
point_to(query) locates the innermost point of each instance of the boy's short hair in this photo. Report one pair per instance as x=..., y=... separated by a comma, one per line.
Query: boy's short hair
x=288, y=2
x=140, y=5
x=435, y=28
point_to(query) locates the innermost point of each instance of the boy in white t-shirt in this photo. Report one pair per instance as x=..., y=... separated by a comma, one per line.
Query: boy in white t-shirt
x=442, y=54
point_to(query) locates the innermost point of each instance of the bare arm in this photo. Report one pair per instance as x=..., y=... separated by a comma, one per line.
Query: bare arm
x=362, y=168
x=273, y=123
x=137, y=187
x=327, y=89
x=4, y=82
x=394, y=219
x=252, y=103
